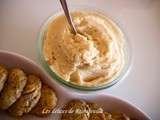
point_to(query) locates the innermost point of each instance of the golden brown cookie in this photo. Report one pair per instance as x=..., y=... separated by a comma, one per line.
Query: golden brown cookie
x=29, y=98
x=13, y=88
x=47, y=102
x=108, y=116
x=75, y=110
x=96, y=112
x=119, y=116
x=3, y=76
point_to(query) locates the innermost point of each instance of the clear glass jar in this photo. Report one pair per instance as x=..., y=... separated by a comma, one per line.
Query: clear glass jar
x=41, y=35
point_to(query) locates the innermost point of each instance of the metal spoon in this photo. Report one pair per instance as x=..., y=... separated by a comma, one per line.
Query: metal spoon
x=68, y=16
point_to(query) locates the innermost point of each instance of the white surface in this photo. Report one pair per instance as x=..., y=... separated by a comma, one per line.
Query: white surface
x=20, y=21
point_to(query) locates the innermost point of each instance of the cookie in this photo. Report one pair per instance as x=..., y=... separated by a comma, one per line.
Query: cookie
x=47, y=102
x=75, y=110
x=29, y=98
x=119, y=116
x=13, y=88
x=108, y=116
x=3, y=76
x=96, y=112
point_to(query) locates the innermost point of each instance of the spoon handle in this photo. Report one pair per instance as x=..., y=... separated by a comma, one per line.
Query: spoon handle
x=68, y=16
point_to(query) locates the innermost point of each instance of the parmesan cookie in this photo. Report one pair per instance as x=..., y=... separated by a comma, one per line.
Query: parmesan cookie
x=76, y=110
x=29, y=98
x=3, y=76
x=13, y=88
x=47, y=102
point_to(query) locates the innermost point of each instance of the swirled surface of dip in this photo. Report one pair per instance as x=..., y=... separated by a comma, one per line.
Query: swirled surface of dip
x=93, y=57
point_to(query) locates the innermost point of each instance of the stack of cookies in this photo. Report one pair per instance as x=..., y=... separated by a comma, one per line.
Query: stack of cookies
x=21, y=93
x=83, y=110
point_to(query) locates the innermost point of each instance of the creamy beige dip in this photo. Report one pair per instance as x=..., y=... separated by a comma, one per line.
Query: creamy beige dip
x=93, y=57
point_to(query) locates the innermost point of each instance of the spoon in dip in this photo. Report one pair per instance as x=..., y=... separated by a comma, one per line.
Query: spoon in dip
x=68, y=16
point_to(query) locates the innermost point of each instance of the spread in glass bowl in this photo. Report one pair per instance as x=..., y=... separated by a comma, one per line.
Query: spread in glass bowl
x=93, y=57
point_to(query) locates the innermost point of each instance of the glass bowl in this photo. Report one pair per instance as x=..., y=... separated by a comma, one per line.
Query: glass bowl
x=65, y=83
